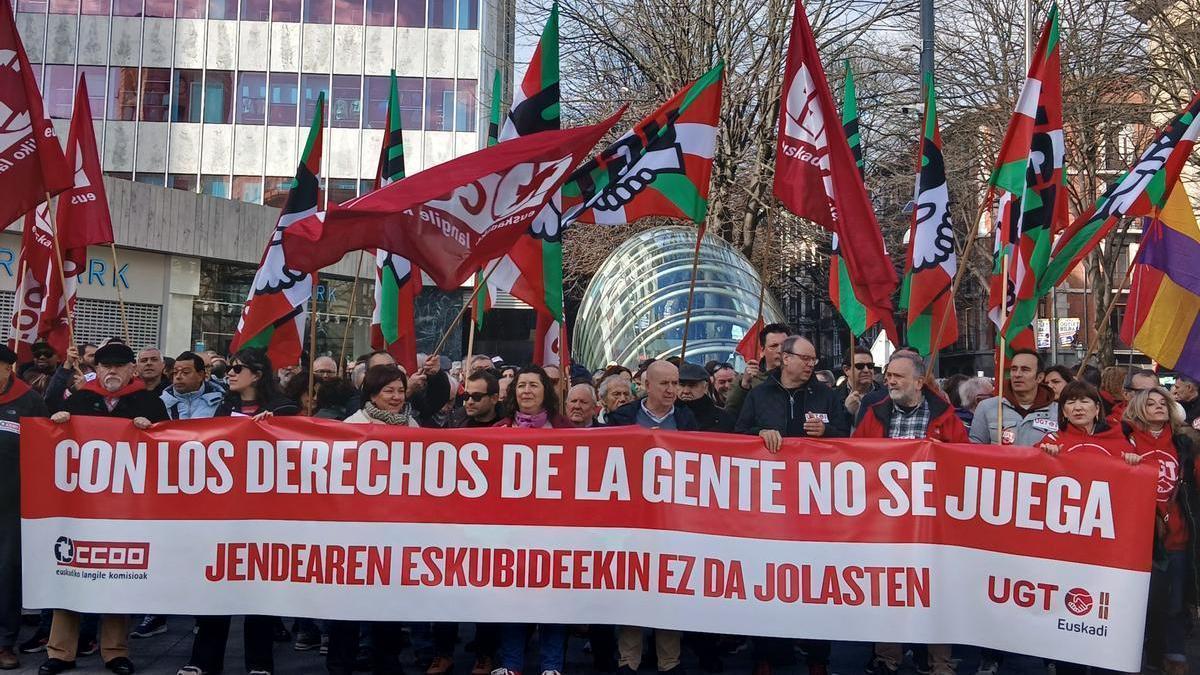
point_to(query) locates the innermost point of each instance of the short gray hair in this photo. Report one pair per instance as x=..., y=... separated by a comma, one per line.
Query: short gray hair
x=607, y=383
x=584, y=385
x=918, y=363
x=969, y=389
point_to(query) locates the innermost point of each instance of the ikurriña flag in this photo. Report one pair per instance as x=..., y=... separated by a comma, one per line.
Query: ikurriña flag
x=1162, y=314
x=1140, y=191
x=276, y=310
x=841, y=291
x=397, y=281
x=1028, y=194
x=816, y=176
x=661, y=167
x=452, y=218
x=32, y=166
x=931, y=262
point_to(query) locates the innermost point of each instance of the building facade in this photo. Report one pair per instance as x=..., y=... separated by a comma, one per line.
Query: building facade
x=201, y=110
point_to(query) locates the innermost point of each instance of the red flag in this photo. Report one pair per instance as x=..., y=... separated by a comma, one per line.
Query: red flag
x=31, y=161
x=748, y=347
x=41, y=308
x=451, y=219
x=82, y=217
x=816, y=176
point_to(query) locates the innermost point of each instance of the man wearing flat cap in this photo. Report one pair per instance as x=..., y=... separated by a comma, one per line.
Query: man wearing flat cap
x=114, y=393
x=17, y=400
x=696, y=394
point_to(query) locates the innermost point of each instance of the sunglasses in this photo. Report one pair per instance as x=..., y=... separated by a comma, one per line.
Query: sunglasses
x=43, y=355
x=864, y=366
x=238, y=368
x=476, y=397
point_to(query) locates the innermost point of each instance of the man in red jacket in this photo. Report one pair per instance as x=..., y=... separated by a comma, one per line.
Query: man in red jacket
x=911, y=410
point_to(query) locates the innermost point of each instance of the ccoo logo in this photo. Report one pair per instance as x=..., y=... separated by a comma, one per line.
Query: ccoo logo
x=64, y=550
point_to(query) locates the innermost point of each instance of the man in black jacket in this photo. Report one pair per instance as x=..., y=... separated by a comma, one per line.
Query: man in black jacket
x=661, y=408
x=17, y=400
x=792, y=403
x=695, y=392
x=114, y=393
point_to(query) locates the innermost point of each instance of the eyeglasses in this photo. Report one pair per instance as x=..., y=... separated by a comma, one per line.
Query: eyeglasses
x=476, y=397
x=803, y=357
x=864, y=366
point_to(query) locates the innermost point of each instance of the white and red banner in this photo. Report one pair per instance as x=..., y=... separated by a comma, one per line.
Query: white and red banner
x=899, y=541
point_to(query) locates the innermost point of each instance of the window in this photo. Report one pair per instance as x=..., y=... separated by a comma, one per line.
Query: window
x=410, y=13
x=468, y=14
x=441, y=13
x=252, y=98
x=248, y=189
x=182, y=181
x=254, y=10
x=218, y=97
x=122, y=93
x=151, y=179
x=410, y=96
x=186, y=104
x=344, y=110
x=342, y=189
x=365, y=186
x=377, y=102
x=156, y=94
x=318, y=11
x=64, y=6
x=222, y=9
x=275, y=190
x=96, y=7
x=93, y=76
x=190, y=9
x=127, y=7
x=285, y=98
x=32, y=6
x=348, y=12
x=381, y=12
x=285, y=10
x=216, y=186
x=465, y=114
x=58, y=90
x=160, y=8
x=439, y=105
x=312, y=86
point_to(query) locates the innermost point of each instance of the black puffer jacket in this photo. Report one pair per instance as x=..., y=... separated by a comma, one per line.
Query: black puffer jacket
x=277, y=406
x=141, y=403
x=771, y=406
x=710, y=416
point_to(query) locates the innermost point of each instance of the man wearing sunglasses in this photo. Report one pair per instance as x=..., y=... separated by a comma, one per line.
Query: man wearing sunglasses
x=860, y=378
x=481, y=402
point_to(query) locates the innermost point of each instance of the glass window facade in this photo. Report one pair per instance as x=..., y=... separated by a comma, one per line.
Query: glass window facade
x=255, y=10
x=275, y=190
x=218, y=97
x=156, y=94
x=96, y=7
x=311, y=87
x=284, y=98
x=441, y=14
x=122, y=93
x=222, y=9
x=190, y=9
x=252, y=98
x=94, y=77
x=410, y=13
x=318, y=11
x=346, y=102
x=439, y=104
x=58, y=90
x=127, y=7
x=465, y=101
x=185, y=104
x=215, y=186
x=381, y=12
x=348, y=12
x=635, y=305
x=64, y=6
x=286, y=10
x=160, y=8
x=248, y=189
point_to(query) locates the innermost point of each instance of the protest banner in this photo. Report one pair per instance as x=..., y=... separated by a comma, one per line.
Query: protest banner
x=909, y=541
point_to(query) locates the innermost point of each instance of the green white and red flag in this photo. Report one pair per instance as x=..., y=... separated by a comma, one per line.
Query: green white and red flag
x=276, y=310
x=661, y=167
x=1027, y=194
x=397, y=281
x=931, y=261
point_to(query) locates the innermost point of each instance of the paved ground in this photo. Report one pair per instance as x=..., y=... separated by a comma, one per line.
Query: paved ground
x=164, y=654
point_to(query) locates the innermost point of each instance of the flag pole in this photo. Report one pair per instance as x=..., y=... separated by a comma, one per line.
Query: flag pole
x=117, y=284
x=350, y=311
x=1095, y=340
x=564, y=364
x=1003, y=347
x=479, y=282
x=687, y=317
x=312, y=342
x=935, y=346
x=470, y=345
x=62, y=272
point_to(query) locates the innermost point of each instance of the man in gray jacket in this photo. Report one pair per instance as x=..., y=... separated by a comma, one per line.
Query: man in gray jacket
x=1029, y=409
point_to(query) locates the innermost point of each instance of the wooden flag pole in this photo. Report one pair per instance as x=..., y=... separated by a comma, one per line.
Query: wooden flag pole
x=62, y=274
x=479, y=282
x=934, y=349
x=1003, y=348
x=350, y=311
x=1095, y=339
x=117, y=284
x=470, y=344
x=564, y=365
x=687, y=317
x=312, y=343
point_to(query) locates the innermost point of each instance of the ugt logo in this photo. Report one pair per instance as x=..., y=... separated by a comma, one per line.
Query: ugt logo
x=1080, y=603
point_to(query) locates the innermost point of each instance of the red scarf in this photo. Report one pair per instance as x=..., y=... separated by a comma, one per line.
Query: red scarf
x=132, y=388
x=16, y=389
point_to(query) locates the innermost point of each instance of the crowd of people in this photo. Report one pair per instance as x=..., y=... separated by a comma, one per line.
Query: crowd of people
x=780, y=396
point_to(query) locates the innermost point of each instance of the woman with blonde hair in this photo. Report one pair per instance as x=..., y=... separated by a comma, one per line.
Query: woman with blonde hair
x=1152, y=423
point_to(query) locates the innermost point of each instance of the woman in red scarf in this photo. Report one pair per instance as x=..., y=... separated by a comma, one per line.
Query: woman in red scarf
x=1081, y=422
x=1150, y=422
